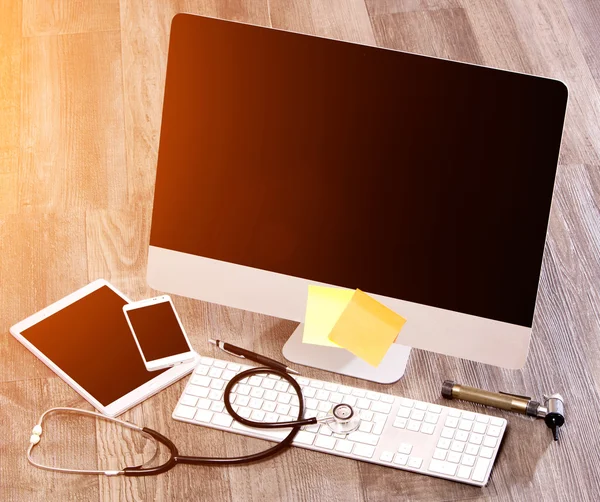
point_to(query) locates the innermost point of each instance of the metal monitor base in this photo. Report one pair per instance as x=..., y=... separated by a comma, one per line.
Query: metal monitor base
x=341, y=361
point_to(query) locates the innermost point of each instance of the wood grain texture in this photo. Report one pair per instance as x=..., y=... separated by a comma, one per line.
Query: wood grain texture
x=81, y=87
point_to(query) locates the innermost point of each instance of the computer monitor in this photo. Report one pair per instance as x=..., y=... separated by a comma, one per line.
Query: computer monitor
x=287, y=160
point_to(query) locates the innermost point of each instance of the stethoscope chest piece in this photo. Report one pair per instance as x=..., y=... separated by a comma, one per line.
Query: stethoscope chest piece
x=343, y=419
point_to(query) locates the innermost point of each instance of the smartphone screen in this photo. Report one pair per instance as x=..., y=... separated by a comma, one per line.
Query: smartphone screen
x=158, y=331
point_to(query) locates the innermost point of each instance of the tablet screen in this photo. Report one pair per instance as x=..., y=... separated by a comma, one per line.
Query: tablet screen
x=91, y=342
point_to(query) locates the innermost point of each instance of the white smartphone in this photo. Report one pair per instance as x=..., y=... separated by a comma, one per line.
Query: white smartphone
x=158, y=332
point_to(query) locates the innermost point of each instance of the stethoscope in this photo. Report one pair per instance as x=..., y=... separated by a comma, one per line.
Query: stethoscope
x=341, y=420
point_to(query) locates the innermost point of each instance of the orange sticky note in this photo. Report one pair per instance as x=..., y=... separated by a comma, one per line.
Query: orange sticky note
x=367, y=328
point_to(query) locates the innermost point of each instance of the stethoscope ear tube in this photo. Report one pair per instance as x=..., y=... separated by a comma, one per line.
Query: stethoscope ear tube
x=159, y=469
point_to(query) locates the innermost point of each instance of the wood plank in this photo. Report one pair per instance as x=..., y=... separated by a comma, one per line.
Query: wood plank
x=41, y=17
x=67, y=441
x=43, y=260
x=73, y=153
x=340, y=19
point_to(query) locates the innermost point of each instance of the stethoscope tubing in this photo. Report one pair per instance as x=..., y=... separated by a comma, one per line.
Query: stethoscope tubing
x=174, y=457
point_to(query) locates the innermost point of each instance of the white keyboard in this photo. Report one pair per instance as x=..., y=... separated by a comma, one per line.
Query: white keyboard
x=394, y=432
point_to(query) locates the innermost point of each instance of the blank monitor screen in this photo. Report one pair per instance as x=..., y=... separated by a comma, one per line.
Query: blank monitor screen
x=411, y=177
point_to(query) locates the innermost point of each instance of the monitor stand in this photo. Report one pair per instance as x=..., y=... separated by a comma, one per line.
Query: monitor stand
x=341, y=361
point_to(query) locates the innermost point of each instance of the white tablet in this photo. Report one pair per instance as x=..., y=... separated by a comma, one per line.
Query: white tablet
x=86, y=340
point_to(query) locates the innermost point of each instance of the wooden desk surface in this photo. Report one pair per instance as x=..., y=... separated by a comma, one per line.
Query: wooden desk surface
x=81, y=86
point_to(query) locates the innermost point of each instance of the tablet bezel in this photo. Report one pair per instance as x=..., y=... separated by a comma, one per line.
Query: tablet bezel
x=125, y=402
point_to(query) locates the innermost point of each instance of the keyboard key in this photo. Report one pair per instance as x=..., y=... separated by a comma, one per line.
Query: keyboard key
x=379, y=417
x=465, y=425
x=479, y=428
x=447, y=432
x=365, y=426
x=378, y=428
x=312, y=404
x=406, y=402
x=468, y=415
x=217, y=384
x=461, y=435
x=204, y=403
x=431, y=418
x=451, y=422
x=282, y=386
x=400, y=459
x=316, y=384
x=242, y=400
x=363, y=450
x=405, y=448
x=258, y=415
x=387, y=456
x=490, y=442
x=420, y=406
x=272, y=418
x=415, y=462
x=325, y=431
x=228, y=375
x=332, y=387
x=468, y=460
x=284, y=398
x=494, y=431
x=435, y=408
x=295, y=401
x=322, y=395
x=222, y=419
x=476, y=438
x=439, y=454
x=417, y=415
x=427, y=428
x=269, y=406
x=381, y=407
x=203, y=416
x=206, y=361
x=400, y=423
x=413, y=425
x=454, y=413
x=201, y=370
x=217, y=406
x=325, y=442
x=359, y=392
x=244, y=412
x=386, y=398
x=220, y=364
x=486, y=452
x=351, y=400
x=363, y=403
x=336, y=397
x=484, y=419
x=203, y=381
x=366, y=415
x=243, y=389
x=344, y=446
x=270, y=395
x=373, y=396
x=472, y=449
x=498, y=422
x=188, y=400
x=442, y=467
x=302, y=380
x=215, y=395
x=184, y=411
x=283, y=409
x=343, y=389
x=444, y=443
x=361, y=437
x=453, y=457
x=304, y=437
x=215, y=372
x=324, y=406
x=457, y=446
x=463, y=472
x=267, y=383
x=234, y=367
x=256, y=403
x=403, y=412
x=255, y=381
x=309, y=392
x=480, y=470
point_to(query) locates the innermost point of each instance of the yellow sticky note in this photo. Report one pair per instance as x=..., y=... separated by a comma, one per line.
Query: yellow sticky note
x=367, y=328
x=323, y=308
